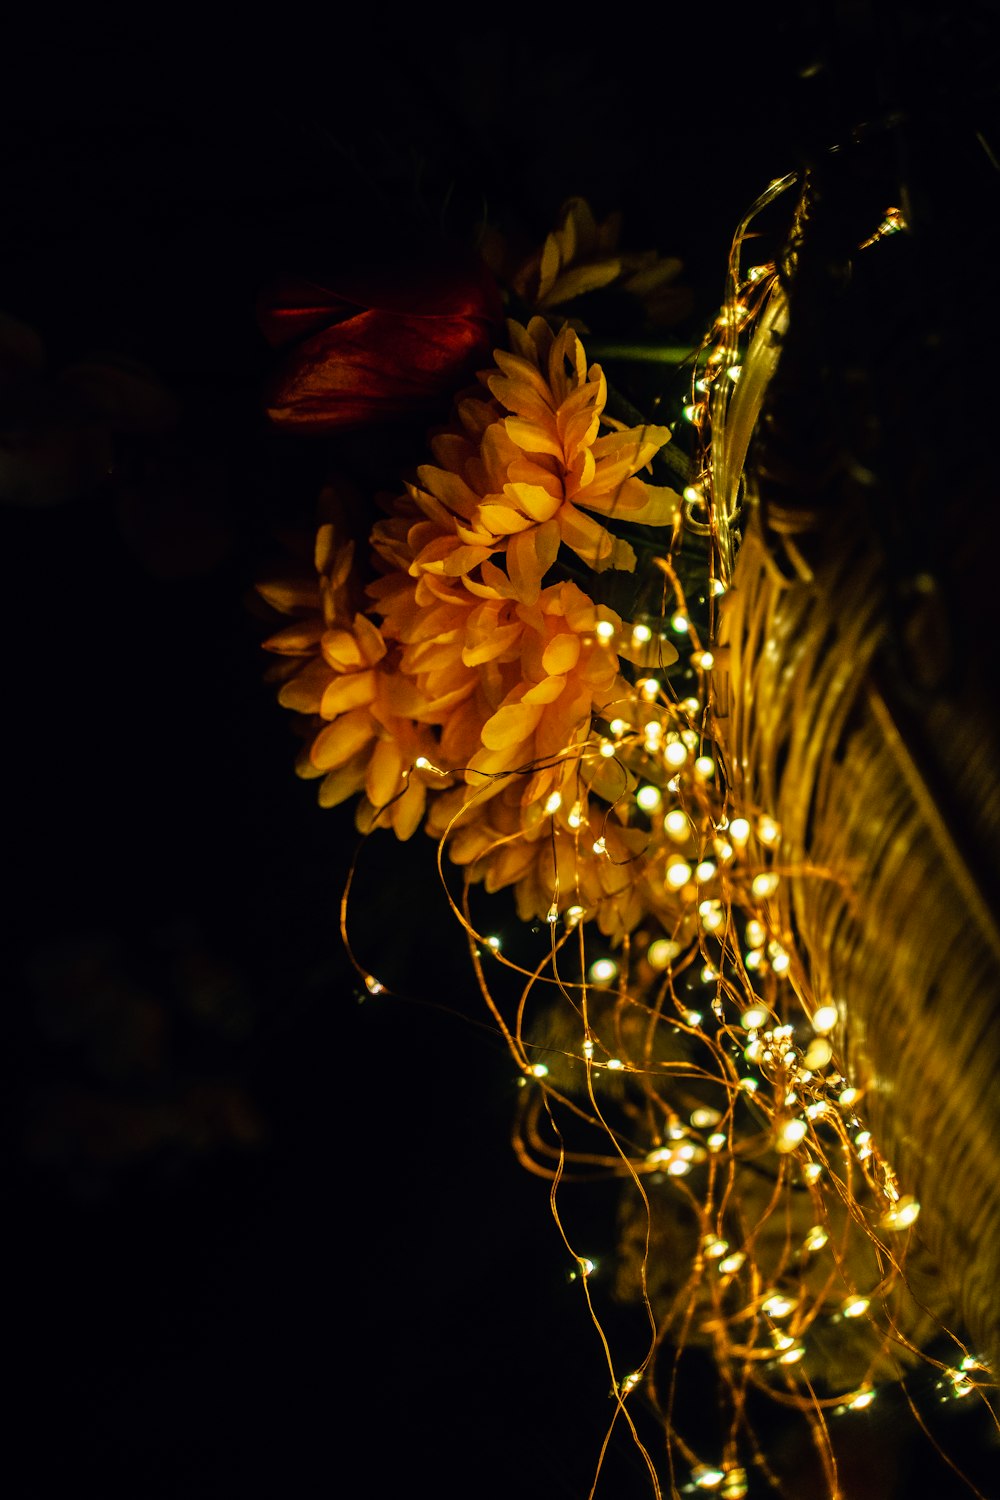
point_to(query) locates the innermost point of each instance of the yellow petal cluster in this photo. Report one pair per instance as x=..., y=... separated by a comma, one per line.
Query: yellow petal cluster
x=466, y=686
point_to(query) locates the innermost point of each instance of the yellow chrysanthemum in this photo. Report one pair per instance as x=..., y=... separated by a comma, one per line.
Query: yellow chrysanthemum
x=529, y=470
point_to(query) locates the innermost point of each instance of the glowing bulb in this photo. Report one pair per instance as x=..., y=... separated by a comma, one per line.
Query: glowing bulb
x=649, y=798
x=825, y=1019
x=854, y=1307
x=861, y=1400
x=754, y=1018
x=373, y=985
x=716, y=1143
x=764, y=885
x=676, y=753
x=538, y=1070
x=732, y=1263
x=679, y=1168
x=603, y=970
x=641, y=634
x=714, y=1247
x=662, y=953
x=649, y=688
x=630, y=1382
x=792, y=1356
x=716, y=587
x=901, y=1215
x=812, y=1171
x=553, y=802
x=615, y=1064
x=739, y=831
x=734, y=1486
x=494, y=943
x=573, y=915
x=816, y=1238
x=709, y=974
x=849, y=1096
x=756, y=936
x=712, y=918
x=734, y=372
x=617, y=727
x=575, y=816
x=676, y=824
x=704, y=767
x=704, y=660
x=607, y=749
x=780, y=962
x=693, y=493
x=748, y=1085
x=422, y=763
x=693, y=414
x=778, y=1306
x=680, y=623
x=678, y=874
x=587, y=1266
x=791, y=1133
x=702, y=1118
x=768, y=830
x=600, y=845
x=604, y=630
x=706, y=1477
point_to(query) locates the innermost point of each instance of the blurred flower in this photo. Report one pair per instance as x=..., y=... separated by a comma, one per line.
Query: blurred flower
x=371, y=346
x=582, y=256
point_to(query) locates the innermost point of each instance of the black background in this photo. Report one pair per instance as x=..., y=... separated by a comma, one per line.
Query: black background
x=266, y=1238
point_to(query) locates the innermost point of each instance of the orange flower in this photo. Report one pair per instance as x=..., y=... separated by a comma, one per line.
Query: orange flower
x=527, y=470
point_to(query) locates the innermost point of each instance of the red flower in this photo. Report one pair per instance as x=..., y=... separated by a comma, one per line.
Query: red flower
x=375, y=345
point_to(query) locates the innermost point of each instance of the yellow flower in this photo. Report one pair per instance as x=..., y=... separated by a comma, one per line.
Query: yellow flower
x=583, y=256
x=526, y=472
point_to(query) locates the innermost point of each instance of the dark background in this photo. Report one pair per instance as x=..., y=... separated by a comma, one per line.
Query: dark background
x=267, y=1238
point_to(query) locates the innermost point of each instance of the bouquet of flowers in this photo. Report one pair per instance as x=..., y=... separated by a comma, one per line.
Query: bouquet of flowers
x=532, y=656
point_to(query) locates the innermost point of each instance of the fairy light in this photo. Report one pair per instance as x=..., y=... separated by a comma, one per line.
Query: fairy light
x=650, y=689
x=714, y=1247
x=793, y=1355
x=649, y=798
x=603, y=970
x=678, y=874
x=553, y=802
x=675, y=753
x=604, y=630
x=552, y=915
x=703, y=660
x=615, y=1064
x=374, y=986
x=630, y=1382
x=734, y=1486
x=709, y=974
x=768, y=831
x=575, y=815
x=855, y=1307
x=716, y=587
x=494, y=943
x=815, y=1239
x=705, y=1117
x=661, y=953
x=756, y=933
x=680, y=623
x=861, y=1400
x=739, y=831
x=704, y=870
x=641, y=634
x=618, y=727
x=777, y=1305
x=730, y=1264
x=707, y=1477
x=573, y=915
x=812, y=1171
x=780, y=961
x=715, y=1143
x=818, y=1054
x=676, y=824
x=754, y=1018
x=901, y=1215
x=848, y=1096
x=791, y=1133
x=825, y=1019
x=764, y=885
x=607, y=749
x=704, y=768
